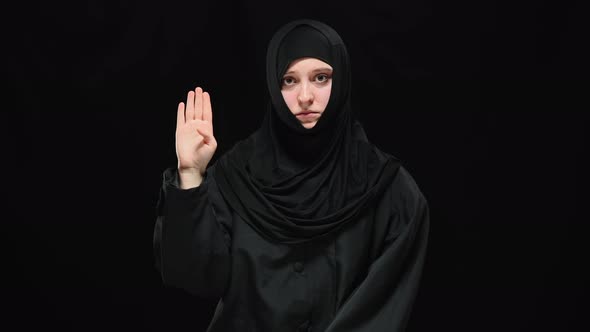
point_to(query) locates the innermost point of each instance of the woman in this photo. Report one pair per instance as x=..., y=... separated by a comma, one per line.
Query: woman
x=304, y=225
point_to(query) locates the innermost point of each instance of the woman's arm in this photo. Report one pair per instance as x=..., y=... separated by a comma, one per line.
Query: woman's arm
x=191, y=242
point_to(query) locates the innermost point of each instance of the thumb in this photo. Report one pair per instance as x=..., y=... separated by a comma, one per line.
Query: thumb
x=207, y=134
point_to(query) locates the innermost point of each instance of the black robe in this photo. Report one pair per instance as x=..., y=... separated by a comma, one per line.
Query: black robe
x=363, y=278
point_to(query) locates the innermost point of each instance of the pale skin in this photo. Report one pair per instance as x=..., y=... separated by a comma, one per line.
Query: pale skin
x=305, y=87
x=195, y=143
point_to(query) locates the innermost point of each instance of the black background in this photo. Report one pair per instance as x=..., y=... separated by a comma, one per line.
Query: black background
x=481, y=100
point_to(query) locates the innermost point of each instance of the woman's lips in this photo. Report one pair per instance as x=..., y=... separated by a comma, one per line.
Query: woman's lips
x=307, y=115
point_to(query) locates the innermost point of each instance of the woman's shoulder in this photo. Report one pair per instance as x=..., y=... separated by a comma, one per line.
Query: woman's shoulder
x=403, y=191
x=405, y=197
x=405, y=185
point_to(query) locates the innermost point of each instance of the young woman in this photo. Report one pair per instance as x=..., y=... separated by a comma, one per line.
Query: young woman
x=303, y=226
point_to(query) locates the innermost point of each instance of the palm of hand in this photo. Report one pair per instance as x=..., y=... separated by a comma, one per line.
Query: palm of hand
x=195, y=143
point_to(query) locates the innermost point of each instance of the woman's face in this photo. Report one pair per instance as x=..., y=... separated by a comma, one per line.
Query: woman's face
x=306, y=87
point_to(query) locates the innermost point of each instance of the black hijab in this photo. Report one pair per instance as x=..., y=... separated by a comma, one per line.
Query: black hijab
x=293, y=184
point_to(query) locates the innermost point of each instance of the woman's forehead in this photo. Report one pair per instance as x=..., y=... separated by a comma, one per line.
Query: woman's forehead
x=308, y=63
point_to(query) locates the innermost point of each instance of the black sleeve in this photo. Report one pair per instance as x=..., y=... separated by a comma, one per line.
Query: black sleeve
x=383, y=300
x=191, y=239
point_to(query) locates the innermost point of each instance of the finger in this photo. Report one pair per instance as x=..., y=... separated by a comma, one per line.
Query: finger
x=207, y=112
x=199, y=104
x=190, y=106
x=180, y=115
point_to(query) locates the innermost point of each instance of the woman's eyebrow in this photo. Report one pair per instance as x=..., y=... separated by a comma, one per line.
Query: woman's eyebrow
x=322, y=69
x=313, y=71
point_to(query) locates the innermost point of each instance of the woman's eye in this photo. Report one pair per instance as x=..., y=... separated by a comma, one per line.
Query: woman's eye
x=322, y=78
x=288, y=81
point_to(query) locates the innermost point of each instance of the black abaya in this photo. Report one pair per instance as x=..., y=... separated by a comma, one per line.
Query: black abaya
x=362, y=278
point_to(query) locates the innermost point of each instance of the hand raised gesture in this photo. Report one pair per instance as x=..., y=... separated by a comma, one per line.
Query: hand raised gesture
x=195, y=143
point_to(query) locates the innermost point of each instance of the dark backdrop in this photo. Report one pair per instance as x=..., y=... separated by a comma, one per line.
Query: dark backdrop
x=480, y=99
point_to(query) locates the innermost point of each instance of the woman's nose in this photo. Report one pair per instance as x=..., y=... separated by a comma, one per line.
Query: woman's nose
x=305, y=95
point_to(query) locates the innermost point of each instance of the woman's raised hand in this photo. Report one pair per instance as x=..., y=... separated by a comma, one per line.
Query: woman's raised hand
x=195, y=143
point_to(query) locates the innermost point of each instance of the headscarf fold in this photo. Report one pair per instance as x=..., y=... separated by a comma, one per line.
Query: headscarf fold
x=292, y=184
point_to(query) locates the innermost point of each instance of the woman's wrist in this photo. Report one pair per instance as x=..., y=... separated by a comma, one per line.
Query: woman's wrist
x=190, y=178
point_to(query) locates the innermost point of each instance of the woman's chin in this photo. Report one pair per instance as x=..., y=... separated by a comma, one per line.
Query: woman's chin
x=309, y=125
